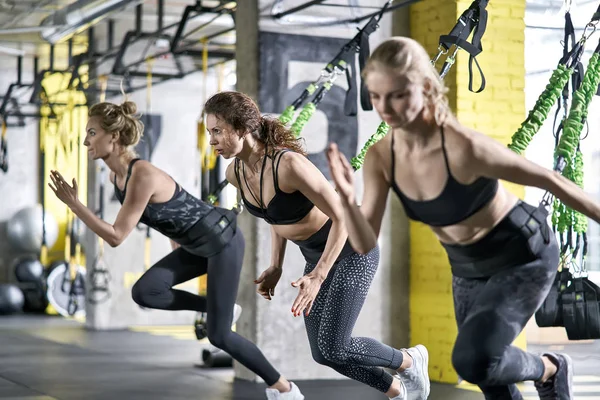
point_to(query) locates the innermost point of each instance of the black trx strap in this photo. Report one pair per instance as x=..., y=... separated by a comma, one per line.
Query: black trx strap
x=347, y=58
x=581, y=309
x=571, y=55
x=3, y=149
x=474, y=19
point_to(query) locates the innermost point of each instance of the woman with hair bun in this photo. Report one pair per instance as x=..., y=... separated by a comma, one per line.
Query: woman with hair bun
x=208, y=238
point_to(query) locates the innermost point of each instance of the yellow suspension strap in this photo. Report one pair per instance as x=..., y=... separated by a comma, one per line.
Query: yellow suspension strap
x=77, y=281
x=99, y=290
x=103, y=86
x=3, y=149
x=42, y=139
x=149, y=65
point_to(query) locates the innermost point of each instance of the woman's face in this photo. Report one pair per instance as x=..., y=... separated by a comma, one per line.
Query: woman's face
x=223, y=137
x=397, y=100
x=100, y=143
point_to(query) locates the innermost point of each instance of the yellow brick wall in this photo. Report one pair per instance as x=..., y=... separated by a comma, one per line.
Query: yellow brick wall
x=497, y=111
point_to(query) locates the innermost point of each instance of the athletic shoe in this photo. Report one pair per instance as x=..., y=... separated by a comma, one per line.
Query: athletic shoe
x=416, y=378
x=237, y=311
x=559, y=386
x=402, y=395
x=293, y=394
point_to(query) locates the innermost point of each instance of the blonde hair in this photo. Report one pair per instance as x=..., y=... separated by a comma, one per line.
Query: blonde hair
x=408, y=58
x=120, y=118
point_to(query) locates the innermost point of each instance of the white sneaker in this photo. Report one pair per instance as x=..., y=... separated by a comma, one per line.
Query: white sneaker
x=402, y=395
x=237, y=311
x=293, y=394
x=416, y=378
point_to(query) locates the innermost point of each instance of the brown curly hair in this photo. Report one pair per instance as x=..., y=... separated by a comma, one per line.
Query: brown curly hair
x=119, y=118
x=242, y=113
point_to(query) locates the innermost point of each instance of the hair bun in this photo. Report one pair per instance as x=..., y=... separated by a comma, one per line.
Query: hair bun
x=129, y=108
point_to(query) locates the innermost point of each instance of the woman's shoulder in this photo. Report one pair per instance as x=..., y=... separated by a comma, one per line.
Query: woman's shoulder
x=382, y=146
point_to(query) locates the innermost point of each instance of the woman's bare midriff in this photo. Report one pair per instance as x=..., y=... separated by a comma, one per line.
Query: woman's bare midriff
x=304, y=228
x=479, y=224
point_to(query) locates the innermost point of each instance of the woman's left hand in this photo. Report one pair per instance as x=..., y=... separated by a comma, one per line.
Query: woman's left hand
x=65, y=192
x=309, y=285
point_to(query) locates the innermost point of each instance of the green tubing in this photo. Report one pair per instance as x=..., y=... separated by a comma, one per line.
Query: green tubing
x=582, y=98
x=540, y=111
x=287, y=115
x=358, y=161
x=563, y=217
x=305, y=114
x=580, y=221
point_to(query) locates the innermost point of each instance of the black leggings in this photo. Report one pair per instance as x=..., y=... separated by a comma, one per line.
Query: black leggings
x=155, y=290
x=331, y=321
x=492, y=311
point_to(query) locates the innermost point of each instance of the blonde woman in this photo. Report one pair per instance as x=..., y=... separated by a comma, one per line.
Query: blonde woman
x=208, y=238
x=502, y=252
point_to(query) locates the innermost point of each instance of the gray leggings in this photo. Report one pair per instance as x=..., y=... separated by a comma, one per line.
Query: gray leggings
x=331, y=321
x=492, y=311
x=155, y=290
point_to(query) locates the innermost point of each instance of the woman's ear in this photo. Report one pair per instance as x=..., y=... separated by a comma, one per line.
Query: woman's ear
x=115, y=137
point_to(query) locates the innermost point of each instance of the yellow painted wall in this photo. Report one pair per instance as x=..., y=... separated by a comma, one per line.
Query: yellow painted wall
x=497, y=111
x=61, y=139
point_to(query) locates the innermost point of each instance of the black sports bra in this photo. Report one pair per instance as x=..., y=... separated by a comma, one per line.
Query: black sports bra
x=284, y=208
x=456, y=203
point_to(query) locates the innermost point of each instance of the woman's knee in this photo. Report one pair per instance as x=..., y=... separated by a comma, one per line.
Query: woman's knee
x=220, y=338
x=475, y=358
x=218, y=332
x=333, y=353
x=319, y=357
x=140, y=292
x=316, y=350
x=147, y=288
x=472, y=366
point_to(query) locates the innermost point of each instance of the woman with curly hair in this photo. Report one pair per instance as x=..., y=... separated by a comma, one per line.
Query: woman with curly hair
x=280, y=185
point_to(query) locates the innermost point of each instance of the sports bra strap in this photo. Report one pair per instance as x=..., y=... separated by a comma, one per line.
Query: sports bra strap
x=276, y=168
x=129, y=170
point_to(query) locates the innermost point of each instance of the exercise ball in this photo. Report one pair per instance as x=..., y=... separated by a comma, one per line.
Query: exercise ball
x=24, y=229
x=11, y=299
x=29, y=269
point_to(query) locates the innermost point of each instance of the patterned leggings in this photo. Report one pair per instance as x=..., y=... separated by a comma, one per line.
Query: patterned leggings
x=331, y=321
x=490, y=313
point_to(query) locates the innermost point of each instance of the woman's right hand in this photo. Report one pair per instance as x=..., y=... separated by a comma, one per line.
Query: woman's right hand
x=267, y=281
x=342, y=173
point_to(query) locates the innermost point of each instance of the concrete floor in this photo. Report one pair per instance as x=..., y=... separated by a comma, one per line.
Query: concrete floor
x=46, y=358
